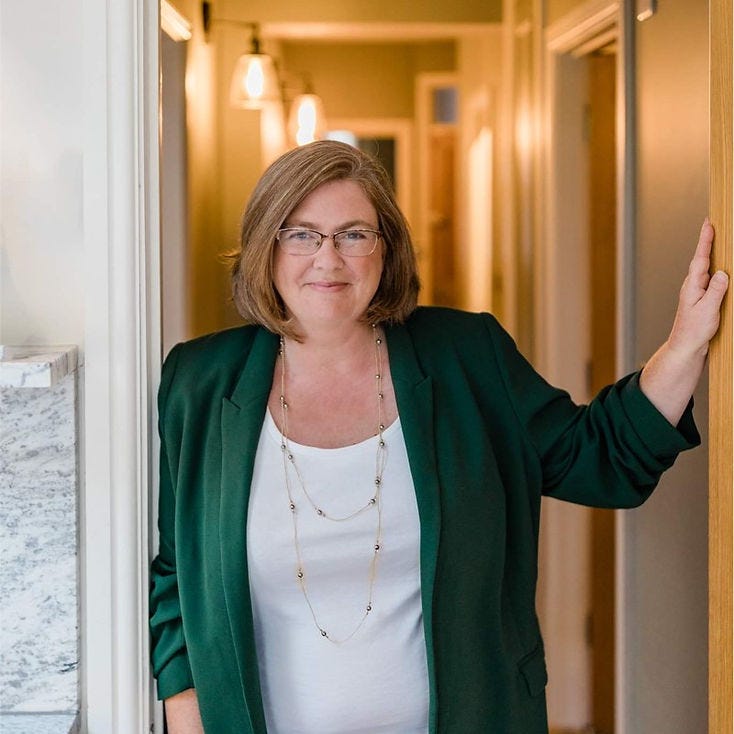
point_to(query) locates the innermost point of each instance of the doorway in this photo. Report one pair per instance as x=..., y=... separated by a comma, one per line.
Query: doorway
x=437, y=122
x=578, y=325
x=479, y=144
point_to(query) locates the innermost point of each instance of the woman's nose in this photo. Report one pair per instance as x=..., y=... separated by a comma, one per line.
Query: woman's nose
x=327, y=255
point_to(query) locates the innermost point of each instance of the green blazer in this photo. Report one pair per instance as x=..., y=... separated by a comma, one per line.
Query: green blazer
x=486, y=437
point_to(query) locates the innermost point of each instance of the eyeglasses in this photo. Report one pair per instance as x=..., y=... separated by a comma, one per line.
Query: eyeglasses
x=348, y=242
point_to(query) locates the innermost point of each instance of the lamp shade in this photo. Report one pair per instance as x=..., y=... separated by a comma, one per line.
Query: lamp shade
x=254, y=82
x=307, y=121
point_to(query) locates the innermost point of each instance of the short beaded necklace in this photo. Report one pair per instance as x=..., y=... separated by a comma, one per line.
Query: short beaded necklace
x=373, y=502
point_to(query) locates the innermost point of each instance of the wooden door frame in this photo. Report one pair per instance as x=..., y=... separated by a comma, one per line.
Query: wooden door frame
x=721, y=383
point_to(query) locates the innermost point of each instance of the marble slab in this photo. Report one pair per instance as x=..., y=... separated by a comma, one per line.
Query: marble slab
x=39, y=723
x=39, y=636
x=36, y=366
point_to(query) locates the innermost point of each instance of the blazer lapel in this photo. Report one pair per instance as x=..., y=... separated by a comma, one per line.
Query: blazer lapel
x=414, y=394
x=241, y=423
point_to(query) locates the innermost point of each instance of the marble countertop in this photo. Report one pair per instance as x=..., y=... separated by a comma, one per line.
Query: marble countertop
x=39, y=723
x=28, y=366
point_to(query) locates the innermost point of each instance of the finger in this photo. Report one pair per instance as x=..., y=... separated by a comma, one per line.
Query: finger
x=706, y=235
x=701, y=257
x=716, y=291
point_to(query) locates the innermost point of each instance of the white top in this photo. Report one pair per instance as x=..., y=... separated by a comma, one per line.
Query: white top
x=377, y=682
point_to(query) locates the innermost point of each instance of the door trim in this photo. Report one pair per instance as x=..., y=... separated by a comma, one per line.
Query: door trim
x=122, y=358
x=579, y=31
x=721, y=382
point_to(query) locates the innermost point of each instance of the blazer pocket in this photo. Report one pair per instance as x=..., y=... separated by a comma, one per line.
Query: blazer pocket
x=533, y=670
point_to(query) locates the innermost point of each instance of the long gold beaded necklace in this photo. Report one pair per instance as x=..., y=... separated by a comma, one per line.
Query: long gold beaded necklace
x=374, y=502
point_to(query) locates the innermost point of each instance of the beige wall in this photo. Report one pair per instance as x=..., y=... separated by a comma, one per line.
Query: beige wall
x=216, y=169
x=555, y=9
x=667, y=538
x=366, y=79
x=295, y=11
x=478, y=185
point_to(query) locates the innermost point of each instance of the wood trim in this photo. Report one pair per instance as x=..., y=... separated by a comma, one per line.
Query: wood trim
x=359, y=32
x=721, y=399
x=602, y=242
x=626, y=336
x=581, y=24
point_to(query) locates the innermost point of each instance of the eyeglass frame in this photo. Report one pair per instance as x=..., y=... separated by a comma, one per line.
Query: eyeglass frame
x=322, y=236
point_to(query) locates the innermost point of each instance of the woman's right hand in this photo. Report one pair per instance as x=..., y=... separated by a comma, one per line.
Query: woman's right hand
x=182, y=713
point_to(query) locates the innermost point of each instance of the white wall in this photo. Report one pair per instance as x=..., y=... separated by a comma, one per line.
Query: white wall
x=666, y=563
x=41, y=140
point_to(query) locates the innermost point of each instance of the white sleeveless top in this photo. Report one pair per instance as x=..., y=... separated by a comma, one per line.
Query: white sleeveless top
x=377, y=682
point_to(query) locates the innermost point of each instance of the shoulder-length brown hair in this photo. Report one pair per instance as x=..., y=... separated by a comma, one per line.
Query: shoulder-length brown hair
x=278, y=192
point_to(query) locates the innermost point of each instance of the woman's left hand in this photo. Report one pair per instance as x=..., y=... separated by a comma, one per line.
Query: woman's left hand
x=672, y=373
x=697, y=318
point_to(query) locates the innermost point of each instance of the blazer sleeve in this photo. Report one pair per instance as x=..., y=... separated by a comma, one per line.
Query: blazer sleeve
x=168, y=644
x=609, y=453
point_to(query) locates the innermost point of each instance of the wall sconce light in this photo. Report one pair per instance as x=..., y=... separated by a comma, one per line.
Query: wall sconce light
x=646, y=9
x=255, y=79
x=255, y=82
x=307, y=120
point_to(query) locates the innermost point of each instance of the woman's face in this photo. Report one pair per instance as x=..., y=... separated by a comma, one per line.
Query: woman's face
x=327, y=288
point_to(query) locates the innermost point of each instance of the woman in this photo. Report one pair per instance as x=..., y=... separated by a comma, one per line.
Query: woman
x=350, y=486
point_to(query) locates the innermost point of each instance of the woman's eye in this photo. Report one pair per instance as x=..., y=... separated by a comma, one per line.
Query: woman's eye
x=353, y=235
x=301, y=235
